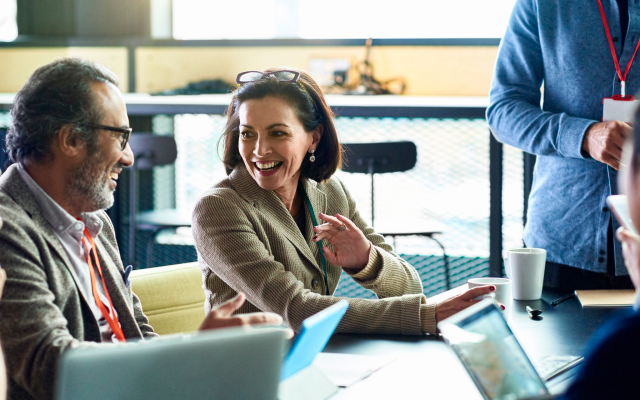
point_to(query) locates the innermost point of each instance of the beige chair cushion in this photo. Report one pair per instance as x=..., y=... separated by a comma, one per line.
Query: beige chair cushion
x=172, y=297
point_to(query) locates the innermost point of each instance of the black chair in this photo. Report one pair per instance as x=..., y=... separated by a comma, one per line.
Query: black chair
x=382, y=158
x=150, y=151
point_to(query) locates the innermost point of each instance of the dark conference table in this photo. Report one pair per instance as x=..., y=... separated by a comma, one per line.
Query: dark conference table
x=427, y=368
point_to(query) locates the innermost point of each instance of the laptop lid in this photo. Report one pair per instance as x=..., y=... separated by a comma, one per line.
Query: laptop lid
x=231, y=363
x=485, y=344
x=314, y=335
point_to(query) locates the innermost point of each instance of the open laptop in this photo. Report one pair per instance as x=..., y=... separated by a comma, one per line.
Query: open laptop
x=492, y=355
x=300, y=379
x=314, y=335
x=232, y=363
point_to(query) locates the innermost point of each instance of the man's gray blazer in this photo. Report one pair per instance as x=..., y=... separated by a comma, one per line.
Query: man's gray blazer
x=42, y=311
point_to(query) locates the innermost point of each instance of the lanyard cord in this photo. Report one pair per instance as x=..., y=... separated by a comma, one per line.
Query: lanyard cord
x=623, y=78
x=114, y=324
x=315, y=223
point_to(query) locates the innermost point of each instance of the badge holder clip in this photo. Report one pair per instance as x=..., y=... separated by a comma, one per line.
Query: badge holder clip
x=619, y=108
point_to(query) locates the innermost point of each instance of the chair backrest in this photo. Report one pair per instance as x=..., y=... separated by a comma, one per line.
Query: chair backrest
x=149, y=151
x=380, y=157
x=152, y=150
x=172, y=297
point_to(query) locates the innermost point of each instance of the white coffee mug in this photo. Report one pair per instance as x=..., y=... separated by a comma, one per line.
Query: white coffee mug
x=502, y=293
x=525, y=268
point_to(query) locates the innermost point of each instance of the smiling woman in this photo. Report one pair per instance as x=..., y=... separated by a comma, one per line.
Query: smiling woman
x=258, y=230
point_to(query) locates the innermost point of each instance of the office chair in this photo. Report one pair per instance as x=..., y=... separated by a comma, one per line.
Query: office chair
x=150, y=151
x=382, y=158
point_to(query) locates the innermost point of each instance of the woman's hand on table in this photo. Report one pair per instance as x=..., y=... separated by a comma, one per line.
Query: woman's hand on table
x=350, y=246
x=631, y=253
x=451, y=306
x=221, y=316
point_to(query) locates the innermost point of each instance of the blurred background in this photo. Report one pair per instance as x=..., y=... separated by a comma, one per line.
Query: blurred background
x=424, y=77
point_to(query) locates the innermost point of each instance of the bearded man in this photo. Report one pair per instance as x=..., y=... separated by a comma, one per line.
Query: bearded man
x=66, y=286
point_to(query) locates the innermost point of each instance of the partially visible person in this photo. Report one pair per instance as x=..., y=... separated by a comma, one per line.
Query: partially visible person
x=564, y=44
x=260, y=231
x=66, y=285
x=3, y=370
x=611, y=367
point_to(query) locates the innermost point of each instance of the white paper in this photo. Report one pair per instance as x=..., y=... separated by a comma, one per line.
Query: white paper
x=346, y=369
x=617, y=110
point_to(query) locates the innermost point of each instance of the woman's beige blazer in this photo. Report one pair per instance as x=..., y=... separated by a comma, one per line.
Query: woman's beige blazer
x=248, y=242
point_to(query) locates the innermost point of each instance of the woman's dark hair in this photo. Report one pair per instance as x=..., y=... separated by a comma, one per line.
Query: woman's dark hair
x=311, y=109
x=57, y=94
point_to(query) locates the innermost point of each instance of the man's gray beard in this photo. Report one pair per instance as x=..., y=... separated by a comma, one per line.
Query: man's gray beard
x=88, y=187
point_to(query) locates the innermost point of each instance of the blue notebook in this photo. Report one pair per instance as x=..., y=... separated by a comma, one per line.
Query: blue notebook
x=314, y=335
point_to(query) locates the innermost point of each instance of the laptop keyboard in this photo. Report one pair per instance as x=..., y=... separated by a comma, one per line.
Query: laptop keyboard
x=553, y=365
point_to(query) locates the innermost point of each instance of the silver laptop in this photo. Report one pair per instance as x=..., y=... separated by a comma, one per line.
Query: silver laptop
x=492, y=355
x=223, y=364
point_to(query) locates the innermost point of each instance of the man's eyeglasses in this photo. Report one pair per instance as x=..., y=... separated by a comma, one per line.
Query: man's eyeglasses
x=125, y=133
x=282, y=76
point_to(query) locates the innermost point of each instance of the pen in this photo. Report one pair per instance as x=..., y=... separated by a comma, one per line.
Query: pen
x=563, y=298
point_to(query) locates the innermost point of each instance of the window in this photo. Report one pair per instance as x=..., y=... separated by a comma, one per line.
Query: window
x=405, y=19
x=341, y=19
x=240, y=19
x=8, y=25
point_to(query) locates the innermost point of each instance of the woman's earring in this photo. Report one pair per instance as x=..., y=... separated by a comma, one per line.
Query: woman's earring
x=312, y=158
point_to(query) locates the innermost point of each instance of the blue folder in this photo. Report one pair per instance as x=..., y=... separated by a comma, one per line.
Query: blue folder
x=314, y=335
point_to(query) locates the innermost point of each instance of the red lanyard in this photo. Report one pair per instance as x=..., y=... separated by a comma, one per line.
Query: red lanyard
x=113, y=322
x=623, y=78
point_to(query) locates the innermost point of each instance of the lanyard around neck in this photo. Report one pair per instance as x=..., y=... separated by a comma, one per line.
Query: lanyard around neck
x=623, y=78
x=113, y=322
x=315, y=223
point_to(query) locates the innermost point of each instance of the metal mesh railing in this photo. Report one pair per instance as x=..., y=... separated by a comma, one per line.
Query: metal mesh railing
x=449, y=185
x=512, y=197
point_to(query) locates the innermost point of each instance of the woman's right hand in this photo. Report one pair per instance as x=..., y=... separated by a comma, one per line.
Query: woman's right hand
x=458, y=303
x=631, y=253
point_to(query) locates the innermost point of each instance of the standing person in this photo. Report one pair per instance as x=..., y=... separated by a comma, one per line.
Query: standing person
x=260, y=231
x=564, y=43
x=66, y=286
x=611, y=368
x=3, y=370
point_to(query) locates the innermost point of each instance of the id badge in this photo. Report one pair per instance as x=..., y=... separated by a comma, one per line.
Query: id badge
x=618, y=108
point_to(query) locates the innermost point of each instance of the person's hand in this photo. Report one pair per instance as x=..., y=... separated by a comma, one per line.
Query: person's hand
x=351, y=247
x=630, y=252
x=603, y=141
x=220, y=317
x=458, y=303
x=3, y=278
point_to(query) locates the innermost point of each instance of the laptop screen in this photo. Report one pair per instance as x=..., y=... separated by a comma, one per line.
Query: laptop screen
x=492, y=355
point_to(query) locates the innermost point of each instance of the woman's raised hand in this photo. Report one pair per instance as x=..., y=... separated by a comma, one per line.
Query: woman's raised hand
x=350, y=246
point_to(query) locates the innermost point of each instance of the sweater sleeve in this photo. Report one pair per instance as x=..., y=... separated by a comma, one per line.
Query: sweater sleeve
x=514, y=114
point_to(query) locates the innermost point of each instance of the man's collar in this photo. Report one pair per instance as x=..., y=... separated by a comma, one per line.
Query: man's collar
x=15, y=187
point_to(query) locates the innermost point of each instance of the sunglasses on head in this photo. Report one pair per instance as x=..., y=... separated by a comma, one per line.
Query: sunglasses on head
x=285, y=76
